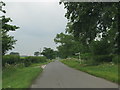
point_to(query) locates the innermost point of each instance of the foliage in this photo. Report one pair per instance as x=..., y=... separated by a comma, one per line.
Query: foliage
x=36, y=59
x=7, y=43
x=7, y=40
x=26, y=62
x=91, y=62
x=101, y=51
x=2, y=4
x=102, y=17
x=21, y=73
x=14, y=53
x=32, y=59
x=116, y=59
x=15, y=59
x=10, y=59
x=15, y=77
x=49, y=53
x=68, y=45
x=95, y=26
x=103, y=58
x=36, y=53
x=100, y=47
x=86, y=56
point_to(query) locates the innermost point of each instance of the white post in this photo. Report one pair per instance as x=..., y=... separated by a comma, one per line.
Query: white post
x=79, y=57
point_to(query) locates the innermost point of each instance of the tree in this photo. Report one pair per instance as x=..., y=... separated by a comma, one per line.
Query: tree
x=94, y=19
x=68, y=45
x=7, y=40
x=100, y=47
x=15, y=53
x=49, y=53
x=36, y=53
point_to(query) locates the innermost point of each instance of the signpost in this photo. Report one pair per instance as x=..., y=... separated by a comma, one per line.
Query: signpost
x=78, y=56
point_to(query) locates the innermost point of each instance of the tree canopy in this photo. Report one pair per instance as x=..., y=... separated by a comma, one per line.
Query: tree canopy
x=92, y=30
x=68, y=45
x=36, y=53
x=49, y=53
x=7, y=40
x=86, y=21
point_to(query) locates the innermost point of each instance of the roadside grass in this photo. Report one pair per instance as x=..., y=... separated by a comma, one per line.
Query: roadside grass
x=0, y=79
x=107, y=71
x=20, y=77
x=38, y=64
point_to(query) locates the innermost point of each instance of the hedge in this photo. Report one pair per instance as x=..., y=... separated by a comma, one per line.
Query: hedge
x=27, y=61
x=10, y=59
x=102, y=58
x=116, y=59
x=86, y=56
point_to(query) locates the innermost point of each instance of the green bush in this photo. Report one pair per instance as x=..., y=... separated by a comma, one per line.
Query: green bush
x=27, y=61
x=10, y=59
x=116, y=59
x=100, y=47
x=37, y=59
x=102, y=58
x=86, y=56
x=91, y=62
x=33, y=59
x=75, y=56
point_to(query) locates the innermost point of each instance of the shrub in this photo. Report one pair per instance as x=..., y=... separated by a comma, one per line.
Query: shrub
x=91, y=62
x=86, y=56
x=33, y=59
x=102, y=58
x=10, y=59
x=75, y=56
x=27, y=63
x=116, y=59
x=100, y=47
x=37, y=59
x=43, y=59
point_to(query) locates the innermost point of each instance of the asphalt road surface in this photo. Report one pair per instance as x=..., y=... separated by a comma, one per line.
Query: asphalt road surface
x=58, y=75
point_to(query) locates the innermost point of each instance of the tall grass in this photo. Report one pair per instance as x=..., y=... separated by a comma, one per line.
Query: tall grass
x=15, y=77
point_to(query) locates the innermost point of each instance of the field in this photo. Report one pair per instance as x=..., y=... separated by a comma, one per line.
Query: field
x=20, y=77
x=106, y=71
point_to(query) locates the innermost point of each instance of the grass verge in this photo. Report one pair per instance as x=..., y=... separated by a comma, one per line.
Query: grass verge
x=20, y=77
x=106, y=71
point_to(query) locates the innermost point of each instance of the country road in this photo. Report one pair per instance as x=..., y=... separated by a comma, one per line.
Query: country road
x=58, y=75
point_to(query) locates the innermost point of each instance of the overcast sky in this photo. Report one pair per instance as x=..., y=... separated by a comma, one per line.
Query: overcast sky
x=39, y=23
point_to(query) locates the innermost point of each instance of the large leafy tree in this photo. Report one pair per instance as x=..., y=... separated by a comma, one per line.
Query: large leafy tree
x=68, y=46
x=7, y=40
x=49, y=53
x=86, y=21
